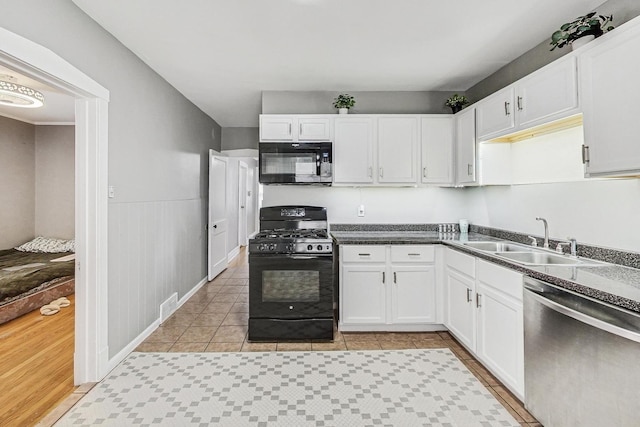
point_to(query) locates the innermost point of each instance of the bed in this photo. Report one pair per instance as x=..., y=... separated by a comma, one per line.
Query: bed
x=30, y=280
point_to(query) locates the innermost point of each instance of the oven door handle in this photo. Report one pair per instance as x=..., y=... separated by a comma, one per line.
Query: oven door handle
x=307, y=256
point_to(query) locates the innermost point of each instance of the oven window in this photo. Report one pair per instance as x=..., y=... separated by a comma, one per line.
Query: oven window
x=290, y=286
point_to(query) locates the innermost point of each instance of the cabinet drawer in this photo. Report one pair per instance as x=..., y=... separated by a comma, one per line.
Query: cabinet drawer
x=500, y=278
x=364, y=253
x=412, y=253
x=464, y=263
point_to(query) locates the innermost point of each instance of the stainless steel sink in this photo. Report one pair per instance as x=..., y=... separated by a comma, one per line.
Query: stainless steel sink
x=499, y=247
x=544, y=258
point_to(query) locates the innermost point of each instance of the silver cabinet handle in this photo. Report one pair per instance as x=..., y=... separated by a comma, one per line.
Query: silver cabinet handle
x=506, y=108
x=395, y=278
x=468, y=295
x=300, y=128
x=469, y=169
x=383, y=278
x=414, y=254
x=364, y=254
x=585, y=154
x=478, y=305
x=370, y=172
x=519, y=100
x=289, y=128
x=424, y=172
x=381, y=172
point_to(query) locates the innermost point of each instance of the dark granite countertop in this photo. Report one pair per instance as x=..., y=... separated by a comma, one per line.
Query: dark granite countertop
x=612, y=283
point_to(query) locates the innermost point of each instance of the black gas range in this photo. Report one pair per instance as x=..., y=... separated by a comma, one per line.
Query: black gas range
x=291, y=275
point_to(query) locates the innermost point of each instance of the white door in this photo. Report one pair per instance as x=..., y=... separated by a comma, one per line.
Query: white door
x=437, y=149
x=217, y=225
x=413, y=294
x=460, y=309
x=363, y=295
x=397, y=149
x=252, y=199
x=353, y=150
x=243, y=171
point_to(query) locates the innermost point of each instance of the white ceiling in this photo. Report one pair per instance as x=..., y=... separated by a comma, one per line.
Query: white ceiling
x=58, y=107
x=221, y=54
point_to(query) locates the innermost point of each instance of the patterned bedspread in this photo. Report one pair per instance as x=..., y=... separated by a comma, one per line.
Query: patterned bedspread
x=23, y=273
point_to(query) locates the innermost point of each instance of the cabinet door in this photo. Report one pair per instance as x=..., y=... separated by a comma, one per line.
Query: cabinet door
x=500, y=338
x=548, y=94
x=609, y=86
x=495, y=114
x=466, y=146
x=460, y=318
x=353, y=150
x=362, y=297
x=413, y=294
x=277, y=128
x=314, y=129
x=397, y=149
x=437, y=148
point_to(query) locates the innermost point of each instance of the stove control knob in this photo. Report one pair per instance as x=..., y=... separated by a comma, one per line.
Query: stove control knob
x=262, y=247
x=319, y=247
x=290, y=307
x=310, y=247
x=272, y=247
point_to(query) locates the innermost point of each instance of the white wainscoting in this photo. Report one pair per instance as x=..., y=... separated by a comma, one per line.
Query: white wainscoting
x=155, y=249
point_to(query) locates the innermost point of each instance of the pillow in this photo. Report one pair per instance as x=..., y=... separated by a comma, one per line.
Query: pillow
x=46, y=245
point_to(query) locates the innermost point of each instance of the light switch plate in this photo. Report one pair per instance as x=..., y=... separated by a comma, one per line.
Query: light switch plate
x=112, y=192
x=361, y=210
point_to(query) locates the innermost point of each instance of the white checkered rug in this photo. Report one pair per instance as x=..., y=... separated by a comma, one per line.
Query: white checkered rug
x=334, y=388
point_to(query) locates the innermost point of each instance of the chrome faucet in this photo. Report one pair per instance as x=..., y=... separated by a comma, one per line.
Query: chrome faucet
x=546, y=231
x=573, y=246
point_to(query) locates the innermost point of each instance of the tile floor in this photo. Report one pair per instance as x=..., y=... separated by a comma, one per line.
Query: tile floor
x=215, y=319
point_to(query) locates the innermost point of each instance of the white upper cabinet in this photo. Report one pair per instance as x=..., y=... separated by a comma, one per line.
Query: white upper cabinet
x=397, y=149
x=609, y=85
x=353, y=150
x=495, y=114
x=546, y=95
x=466, y=146
x=276, y=127
x=437, y=149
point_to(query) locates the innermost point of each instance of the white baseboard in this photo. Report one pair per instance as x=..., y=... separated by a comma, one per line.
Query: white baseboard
x=234, y=253
x=122, y=354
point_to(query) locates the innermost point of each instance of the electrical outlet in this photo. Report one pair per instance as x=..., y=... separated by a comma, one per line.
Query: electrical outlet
x=112, y=191
x=361, y=210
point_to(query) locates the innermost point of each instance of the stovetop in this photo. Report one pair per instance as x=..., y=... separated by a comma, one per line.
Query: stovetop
x=292, y=234
x=281, y=241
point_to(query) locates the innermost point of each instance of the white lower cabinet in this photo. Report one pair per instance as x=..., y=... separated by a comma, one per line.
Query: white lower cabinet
x=387, y=287
x=484, y=312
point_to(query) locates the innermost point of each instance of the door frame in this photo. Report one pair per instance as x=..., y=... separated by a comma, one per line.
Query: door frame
x=91, y=356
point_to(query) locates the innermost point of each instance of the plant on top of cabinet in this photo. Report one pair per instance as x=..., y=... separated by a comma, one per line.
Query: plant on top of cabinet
x=587, y=25
x=456, y=102
x=343, y=102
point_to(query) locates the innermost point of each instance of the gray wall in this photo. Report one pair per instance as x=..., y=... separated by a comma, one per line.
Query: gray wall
x=240, y=138
x=17, y=182
x=539, y=56
x=55, y=181
x=291, y=102
x=158, y=144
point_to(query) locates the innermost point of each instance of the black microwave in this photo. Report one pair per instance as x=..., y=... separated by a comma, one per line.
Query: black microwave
x=295, y=163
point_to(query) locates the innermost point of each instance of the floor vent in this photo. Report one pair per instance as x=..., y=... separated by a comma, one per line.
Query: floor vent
x=168, y=307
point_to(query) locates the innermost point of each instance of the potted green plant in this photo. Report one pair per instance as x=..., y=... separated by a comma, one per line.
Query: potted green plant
x=589, y=27
x=456, y=102
x=343, y=102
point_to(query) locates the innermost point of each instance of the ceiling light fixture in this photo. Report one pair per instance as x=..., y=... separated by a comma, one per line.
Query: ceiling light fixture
x=15, y=95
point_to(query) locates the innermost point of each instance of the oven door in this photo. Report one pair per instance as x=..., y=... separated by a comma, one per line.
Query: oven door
x=283, y=286
x=295, y=163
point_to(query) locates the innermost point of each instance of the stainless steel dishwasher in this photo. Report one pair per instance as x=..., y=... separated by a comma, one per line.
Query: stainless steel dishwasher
x=582, y=359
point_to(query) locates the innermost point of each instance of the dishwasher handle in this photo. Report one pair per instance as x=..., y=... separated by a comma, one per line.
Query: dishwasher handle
x=597, y=313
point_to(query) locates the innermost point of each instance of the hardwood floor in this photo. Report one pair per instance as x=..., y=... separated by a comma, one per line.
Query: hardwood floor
x=36, y=365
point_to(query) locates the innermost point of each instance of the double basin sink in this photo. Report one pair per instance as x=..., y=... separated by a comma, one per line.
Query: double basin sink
x=529, y=255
